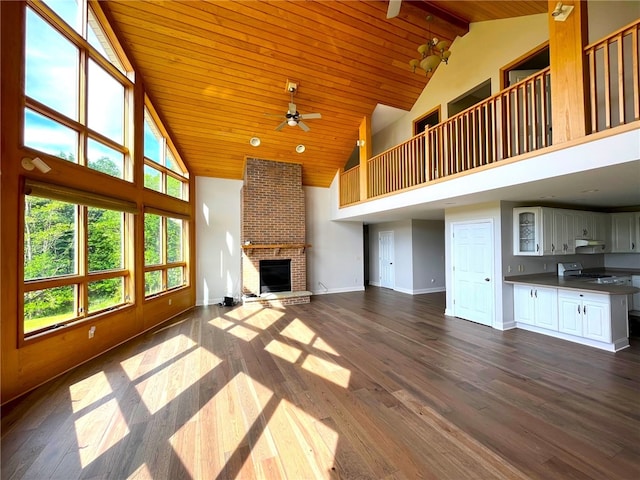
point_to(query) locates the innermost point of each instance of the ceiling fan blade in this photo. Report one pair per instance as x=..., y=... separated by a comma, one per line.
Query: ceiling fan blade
x=309, y=116
x=281, y=126
x=394, y=8
x=303, y=126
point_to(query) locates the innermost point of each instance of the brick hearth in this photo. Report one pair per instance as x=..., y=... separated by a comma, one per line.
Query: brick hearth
x=273, y=222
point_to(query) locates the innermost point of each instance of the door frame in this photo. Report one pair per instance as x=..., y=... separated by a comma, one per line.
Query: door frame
x=494, y=274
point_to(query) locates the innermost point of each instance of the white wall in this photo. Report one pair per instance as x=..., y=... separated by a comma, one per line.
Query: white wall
x=428, y=256
x=473, y=61
x=605, y=16
x=418, y=255
x=217, y=240
x=335, y=259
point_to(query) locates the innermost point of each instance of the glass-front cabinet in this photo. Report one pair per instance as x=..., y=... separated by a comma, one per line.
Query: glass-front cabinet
x=529, y=227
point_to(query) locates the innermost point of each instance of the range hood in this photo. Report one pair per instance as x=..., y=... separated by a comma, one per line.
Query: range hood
x=589, y=243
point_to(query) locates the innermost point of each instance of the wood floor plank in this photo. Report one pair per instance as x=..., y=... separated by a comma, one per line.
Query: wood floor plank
x=373, y=384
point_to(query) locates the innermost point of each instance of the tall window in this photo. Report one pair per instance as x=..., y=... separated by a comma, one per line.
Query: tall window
x=164, y=255
x=163, y=172
x=75, y=89
x=74, y=256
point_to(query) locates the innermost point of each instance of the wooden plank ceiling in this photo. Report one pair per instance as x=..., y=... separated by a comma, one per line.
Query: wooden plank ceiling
x=215, y=69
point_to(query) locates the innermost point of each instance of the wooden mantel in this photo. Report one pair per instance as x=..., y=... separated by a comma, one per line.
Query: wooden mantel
x=276, y=246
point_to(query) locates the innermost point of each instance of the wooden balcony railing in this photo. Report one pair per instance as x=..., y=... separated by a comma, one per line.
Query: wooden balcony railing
x=350, y=186
x=613, y=79
x=515, y=121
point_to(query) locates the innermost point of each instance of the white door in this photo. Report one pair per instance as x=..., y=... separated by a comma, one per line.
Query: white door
x=473, y=282
x=386, y=249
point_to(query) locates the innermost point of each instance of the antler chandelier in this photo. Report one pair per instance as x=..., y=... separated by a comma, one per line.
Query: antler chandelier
x=432, y=53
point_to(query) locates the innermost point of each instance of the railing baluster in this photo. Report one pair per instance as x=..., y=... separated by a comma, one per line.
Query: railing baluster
x=620, y=80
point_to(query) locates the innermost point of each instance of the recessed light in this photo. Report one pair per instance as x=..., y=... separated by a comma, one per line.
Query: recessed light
x=594, y=190
x=255, y=142
x=300, y=148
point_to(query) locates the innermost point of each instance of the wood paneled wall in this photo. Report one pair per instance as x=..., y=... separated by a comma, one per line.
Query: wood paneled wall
x=29, y=363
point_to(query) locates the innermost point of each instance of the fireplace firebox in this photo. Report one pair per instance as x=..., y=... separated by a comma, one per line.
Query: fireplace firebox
x=275, y=276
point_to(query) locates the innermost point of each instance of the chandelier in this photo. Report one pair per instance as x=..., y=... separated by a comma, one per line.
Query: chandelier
x=431, y=53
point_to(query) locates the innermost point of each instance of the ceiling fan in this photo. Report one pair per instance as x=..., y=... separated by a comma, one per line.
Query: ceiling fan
x=394, y=8
x=293, y=117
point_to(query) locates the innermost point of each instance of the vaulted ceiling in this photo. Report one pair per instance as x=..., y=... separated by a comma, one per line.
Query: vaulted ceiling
x=216, y=71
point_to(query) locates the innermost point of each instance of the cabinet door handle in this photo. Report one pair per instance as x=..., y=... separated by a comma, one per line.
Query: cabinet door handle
x=535, y=294
x=578, y=308
x=553, y=247
x=531, y=293
x=537, y=247
x=633, y=246
x=584, y=309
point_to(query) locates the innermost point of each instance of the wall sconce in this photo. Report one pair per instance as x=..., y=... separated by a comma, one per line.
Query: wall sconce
x=29, y=164
x=561, y=12
x=359, y=143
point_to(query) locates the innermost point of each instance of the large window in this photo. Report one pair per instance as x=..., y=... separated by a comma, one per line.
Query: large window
x=162, y=170
x=75, y=89
x=74, y=256
x=164, y=253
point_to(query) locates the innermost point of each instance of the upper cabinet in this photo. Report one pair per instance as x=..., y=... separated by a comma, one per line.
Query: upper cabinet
x=532, y=228
x=625, y=232
x=554, y=231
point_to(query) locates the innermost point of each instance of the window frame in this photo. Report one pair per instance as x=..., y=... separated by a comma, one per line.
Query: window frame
x=164, y=265
x=166, y=145
x=83, y=277
x=86, y=53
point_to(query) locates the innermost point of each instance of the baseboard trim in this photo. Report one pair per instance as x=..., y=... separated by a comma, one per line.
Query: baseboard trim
x=340, y=290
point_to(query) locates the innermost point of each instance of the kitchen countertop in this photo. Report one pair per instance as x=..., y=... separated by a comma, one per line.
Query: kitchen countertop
x=586, y=284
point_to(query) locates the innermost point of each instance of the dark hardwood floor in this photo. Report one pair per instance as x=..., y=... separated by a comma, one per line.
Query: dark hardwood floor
x=372, y=384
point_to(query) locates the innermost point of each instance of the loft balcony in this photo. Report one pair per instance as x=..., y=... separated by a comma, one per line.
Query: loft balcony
x=513, y=124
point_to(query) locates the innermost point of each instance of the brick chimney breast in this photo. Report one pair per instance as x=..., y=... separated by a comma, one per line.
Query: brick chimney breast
x=273, y=213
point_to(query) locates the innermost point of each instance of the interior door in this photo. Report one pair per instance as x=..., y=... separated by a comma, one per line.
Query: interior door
x=386, y=249
x=473, y=283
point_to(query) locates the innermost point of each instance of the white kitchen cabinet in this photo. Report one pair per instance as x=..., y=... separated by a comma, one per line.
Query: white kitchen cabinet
x=592, y=226
x=624, y=232
x=596, y=319
x=584, y=315
x=532, y=231
x=537, y=306
x=563, y=240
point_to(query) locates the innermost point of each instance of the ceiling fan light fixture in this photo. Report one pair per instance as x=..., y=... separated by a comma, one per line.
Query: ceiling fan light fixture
x=292, y=122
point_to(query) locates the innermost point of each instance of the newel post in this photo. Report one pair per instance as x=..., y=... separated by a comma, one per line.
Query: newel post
x=567, y=39
x=364, y=144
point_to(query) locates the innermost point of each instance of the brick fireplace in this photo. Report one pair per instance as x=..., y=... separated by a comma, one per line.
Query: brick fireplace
x=273, y=228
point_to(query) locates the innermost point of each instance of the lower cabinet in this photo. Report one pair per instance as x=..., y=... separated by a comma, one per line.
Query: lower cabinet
x=536, y=306
x=585, y=315
x=594, y=319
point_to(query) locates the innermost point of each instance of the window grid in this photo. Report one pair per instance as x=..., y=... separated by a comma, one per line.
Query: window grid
x=87, y=53
x=164, y=267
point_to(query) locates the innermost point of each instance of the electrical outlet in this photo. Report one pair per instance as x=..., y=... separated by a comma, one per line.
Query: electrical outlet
x=92, y=332
x=544, y=267
x=170, y=301
x=508, y=268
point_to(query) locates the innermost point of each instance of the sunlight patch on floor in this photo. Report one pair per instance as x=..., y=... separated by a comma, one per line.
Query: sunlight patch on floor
x=90, y=428
x=327, y=370
x=89, y=390
x=136, y=366
x=142, y=473
x=293, y=442
x=284, y=351
x=298, y=331
x=320, y=344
